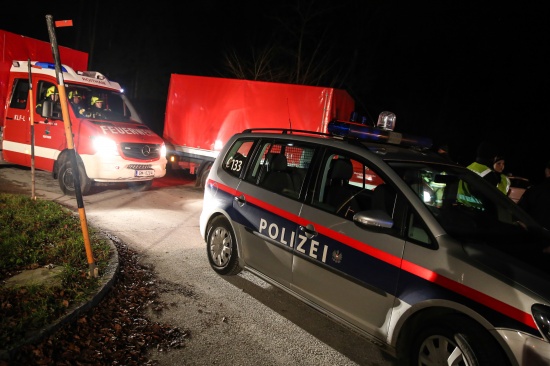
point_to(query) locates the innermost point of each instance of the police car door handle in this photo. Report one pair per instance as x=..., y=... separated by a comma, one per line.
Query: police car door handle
x=309, y=230
x=240, y=200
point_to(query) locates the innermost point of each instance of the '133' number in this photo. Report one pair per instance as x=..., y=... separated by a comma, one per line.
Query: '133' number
x=236, y=165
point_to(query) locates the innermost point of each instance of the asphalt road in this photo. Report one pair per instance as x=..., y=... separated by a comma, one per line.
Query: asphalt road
x=238, y=320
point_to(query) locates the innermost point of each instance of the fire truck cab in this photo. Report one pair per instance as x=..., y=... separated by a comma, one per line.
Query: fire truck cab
x=112, y=143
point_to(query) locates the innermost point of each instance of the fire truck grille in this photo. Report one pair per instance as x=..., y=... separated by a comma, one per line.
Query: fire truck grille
x=140, y=151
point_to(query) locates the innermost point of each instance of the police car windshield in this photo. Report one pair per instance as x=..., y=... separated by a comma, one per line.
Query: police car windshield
x=471, y=210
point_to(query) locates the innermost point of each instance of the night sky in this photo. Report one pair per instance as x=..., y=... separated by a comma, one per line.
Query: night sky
x=458, y=72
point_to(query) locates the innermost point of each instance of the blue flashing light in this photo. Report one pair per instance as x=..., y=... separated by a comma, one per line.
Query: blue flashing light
x=366, y=133
x=49, y=65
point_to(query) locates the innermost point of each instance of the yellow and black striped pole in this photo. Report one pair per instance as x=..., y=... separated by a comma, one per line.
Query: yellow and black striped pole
x=31, y=119
x=93, y=272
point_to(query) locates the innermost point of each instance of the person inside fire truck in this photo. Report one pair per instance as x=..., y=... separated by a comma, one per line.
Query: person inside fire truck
x=75, y=98
x=52, y=95
x=96, y=110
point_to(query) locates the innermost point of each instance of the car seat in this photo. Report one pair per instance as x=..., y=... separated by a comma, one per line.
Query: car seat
x=340, y=194
x=383, y=198
x=278, y=178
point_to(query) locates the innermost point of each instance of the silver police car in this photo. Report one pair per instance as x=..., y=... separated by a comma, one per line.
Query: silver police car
x=370, y=227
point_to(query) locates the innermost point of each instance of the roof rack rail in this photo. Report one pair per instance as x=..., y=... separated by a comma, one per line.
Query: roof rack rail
x=285, y=131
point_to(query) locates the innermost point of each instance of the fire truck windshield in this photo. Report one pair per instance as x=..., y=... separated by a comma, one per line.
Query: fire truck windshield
x=100, y=104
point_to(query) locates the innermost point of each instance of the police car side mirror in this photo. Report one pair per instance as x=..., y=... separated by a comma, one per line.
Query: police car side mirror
x=373, y=219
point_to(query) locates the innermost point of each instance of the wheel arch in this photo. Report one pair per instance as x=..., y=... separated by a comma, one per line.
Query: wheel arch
x=417, y=316
x=62, y=158
x=236, y=233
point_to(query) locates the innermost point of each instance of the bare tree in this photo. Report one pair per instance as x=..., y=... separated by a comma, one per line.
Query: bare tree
x=259, y=66
x=302, y=48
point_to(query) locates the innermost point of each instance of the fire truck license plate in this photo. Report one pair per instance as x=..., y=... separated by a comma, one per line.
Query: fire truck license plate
x=144, y=173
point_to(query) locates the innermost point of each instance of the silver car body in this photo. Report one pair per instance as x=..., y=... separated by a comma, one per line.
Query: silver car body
x=379, y=281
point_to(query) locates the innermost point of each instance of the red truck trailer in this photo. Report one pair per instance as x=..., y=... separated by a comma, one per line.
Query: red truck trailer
x=112, y=146
x=202, y=113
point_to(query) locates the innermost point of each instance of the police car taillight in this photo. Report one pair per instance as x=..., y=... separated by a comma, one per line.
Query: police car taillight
x=381, y=133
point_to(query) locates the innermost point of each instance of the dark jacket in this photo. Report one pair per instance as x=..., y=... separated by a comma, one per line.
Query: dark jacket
x=536, y=201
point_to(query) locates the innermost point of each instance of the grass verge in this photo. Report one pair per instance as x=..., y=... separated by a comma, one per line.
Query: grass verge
x=34, y=234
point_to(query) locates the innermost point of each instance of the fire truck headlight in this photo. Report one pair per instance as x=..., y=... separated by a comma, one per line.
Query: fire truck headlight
x=105, y=146
x=163, y=151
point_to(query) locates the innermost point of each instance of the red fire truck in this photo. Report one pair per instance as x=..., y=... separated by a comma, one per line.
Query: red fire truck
x=112, y=143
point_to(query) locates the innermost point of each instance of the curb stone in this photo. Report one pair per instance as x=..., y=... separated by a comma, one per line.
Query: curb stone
x=107, y=281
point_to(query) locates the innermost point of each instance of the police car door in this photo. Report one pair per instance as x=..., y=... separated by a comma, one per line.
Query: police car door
x=347, y=269
x=268, y=206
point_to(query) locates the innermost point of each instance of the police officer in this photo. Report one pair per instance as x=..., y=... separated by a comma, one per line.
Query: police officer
x=504, y=183
x=482, y=166
x=485, y=158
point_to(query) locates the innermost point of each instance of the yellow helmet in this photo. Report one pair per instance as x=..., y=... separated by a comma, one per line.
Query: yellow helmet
x=74, y=93
x=51, y=90
x=96, y=99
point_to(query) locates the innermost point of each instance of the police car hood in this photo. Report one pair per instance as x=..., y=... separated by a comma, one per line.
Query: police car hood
x=519, y=260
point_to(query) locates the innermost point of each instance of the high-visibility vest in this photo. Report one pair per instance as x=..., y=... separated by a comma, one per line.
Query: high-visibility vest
x=504, y=184
x=464, y=196
x=481, y=169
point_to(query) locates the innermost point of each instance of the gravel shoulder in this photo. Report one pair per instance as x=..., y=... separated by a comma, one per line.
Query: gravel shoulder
x=202, y=318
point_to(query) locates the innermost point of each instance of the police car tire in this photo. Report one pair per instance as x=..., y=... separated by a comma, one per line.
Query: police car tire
x=66, y=183
x=221, y=247
x=141, y=186
x=476, y=345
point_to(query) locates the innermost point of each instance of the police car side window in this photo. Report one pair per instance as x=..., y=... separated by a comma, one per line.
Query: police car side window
x=235, y=161
x=258, y=167
x=345, y=185
x=281, y=167
x=417, y=230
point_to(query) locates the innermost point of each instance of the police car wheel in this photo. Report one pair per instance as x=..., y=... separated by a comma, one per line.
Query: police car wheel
x=455, y=340
x=221, y=247
x=65, y=179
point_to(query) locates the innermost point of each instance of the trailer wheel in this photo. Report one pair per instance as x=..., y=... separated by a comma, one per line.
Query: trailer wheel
x=66, y=179
x=204, y=175
x=140, y=186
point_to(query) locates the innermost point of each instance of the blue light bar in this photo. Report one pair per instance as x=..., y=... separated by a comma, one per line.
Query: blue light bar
x=49, y=65
x=366, y=133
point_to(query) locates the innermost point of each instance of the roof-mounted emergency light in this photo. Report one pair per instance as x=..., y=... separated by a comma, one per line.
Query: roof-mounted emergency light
x=366, y=133
x=48, y=65
x=386, y=121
